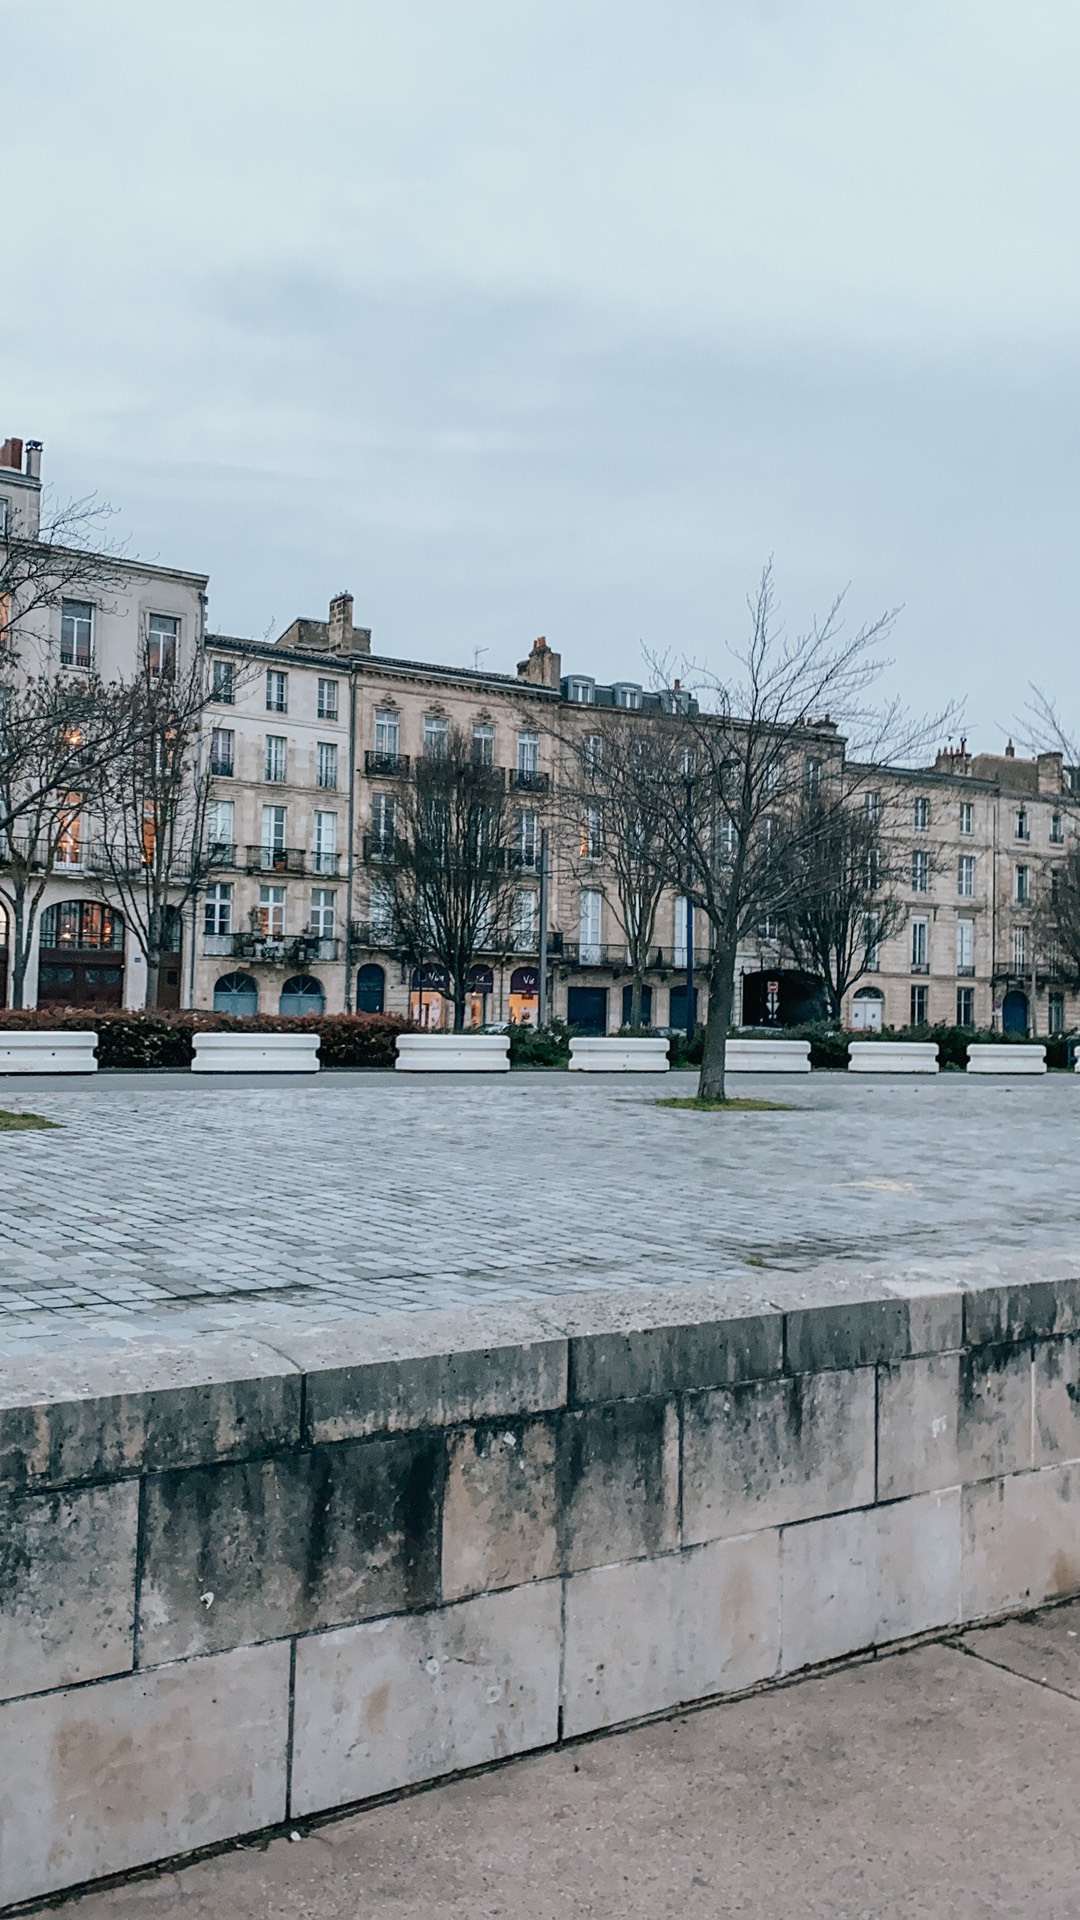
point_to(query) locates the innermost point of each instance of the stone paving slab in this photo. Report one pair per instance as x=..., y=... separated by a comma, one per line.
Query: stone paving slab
x=260, y=1205
x=920, y=1785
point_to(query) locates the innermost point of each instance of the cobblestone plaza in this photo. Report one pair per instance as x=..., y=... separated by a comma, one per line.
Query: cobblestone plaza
x=221, y=1205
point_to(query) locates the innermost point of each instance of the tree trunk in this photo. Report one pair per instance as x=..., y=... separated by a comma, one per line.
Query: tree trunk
x=714, y=1054
x=636, y=997
x=20, y=951
x=460, y=1001
x=153, y=973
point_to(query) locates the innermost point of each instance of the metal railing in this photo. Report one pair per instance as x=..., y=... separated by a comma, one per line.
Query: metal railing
x=385, y=765
x=529, y=782
x=292, y=950
x=275, y=859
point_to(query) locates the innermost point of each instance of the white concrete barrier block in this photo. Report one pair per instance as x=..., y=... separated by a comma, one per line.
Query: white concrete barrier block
x=767, y=1056
x=1006, y=1059
x=892, y=1056
x=256, y=1053
x=614, y=1053
x=453, y=1053
x=48, y=1052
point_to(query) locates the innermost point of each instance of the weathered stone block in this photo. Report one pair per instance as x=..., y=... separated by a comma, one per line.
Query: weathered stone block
x=849, y=1334
x=862, y=1579
x=1021, y=1540
x=432, y=1390
x=392, y=1702
x=67, y=1587
x=617, y=1482
x=944, y=1419
x=1032, y=1311
x=237, y=1554
x=105, y=1778
x=74, y=1417
x=763, y=1454
x=498, y=1526
x=1056, y=1382
x=653, y=1361
x=653, y=1635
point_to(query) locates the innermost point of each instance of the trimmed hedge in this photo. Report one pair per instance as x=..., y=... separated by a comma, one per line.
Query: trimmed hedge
x=135, y=1040
x=539, y=1046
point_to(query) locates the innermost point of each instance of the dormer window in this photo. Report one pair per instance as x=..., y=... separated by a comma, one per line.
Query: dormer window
x=626, y=694
x=582, y=691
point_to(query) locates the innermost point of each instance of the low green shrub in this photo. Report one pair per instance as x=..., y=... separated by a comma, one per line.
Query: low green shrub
x=539, y=1046
x=147, y=1040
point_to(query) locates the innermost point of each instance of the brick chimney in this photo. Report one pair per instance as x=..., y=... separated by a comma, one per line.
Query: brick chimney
x=543, y=668
x=11, y=454
x=339, y=629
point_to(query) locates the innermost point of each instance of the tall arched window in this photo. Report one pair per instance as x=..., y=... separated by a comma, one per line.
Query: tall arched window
x=302, y=994
x=236, y=993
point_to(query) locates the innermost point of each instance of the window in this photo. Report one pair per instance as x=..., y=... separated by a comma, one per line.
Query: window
x=920, y=872
x=222, y=747
x=873, y=870
x=381, y=911
x=273, y=836
x=1022, y=886
x=920, y=946
x=277, y=691
x=162, y=632
x=589, y=926
x=76, y=633
x=592, y=831
x=82, y=924
x=627, y=694
x=387, y=732
x=327, y=763
x=592, y=751
x=871, y=951
x=383, y=826
x=436, y=735
x=918, y=1006
x=526, y=920
x=680, y=930
x=965, y=876
x=580, y=691
x=224, y=682
x=322, y=912
x=967, y=817
x=528, y=753
x=1019, y=949
x=1021, y=825
x=965, y=1006
x=1055, y=886
x=326, y=842
x=220, y=832
x=812, y=777
x=1057, y=830
x=1056, y=1013
x=275, y=757
x=872, y=806
x=921, y=815
x=217, y=910
x=965, y=946
x=483, y=745
x=327, y=707
x=236, y=993
x=3, y=519
x=527, y=838
x=272, y=912
x=69, y=850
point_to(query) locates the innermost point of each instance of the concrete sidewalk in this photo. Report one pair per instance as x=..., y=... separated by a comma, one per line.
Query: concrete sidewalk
x=942, y=1781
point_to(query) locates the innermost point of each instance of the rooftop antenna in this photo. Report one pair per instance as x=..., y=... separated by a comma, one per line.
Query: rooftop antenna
x=476, y=652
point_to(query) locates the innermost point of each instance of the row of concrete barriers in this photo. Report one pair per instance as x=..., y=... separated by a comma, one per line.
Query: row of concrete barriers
x=53, y=1052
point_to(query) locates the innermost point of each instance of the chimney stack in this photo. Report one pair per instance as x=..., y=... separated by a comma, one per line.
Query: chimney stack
x=33, y=459
x=11, y=454
x=543, y=668
x=340, y=629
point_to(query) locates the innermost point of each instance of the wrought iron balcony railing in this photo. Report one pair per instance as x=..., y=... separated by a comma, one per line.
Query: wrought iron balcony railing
x=385, y=766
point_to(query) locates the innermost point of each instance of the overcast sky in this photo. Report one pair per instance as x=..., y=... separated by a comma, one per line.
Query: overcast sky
x=559, y=317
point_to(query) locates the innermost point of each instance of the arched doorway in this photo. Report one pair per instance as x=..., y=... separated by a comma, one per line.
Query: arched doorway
x=1014, y=1011
x=525, y=995
x=81, y=955
x=783, y=997
x=236, y=993
x=868, y=1010
x=370, y=989
x=628, y=1005
x=302, y=994
x=586, y=1009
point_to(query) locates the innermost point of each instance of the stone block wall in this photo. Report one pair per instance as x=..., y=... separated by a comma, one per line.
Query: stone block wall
x=234, y=1600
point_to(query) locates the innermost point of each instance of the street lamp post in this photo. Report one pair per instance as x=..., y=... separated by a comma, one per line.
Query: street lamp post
x=691, y=1021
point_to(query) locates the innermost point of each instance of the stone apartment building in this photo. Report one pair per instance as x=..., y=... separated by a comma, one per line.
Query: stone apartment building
x=309, y=741
x=83, y=951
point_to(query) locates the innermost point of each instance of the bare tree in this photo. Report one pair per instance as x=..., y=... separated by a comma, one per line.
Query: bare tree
x=613, y=804
x=55, y=736
x=449, y=873
x=844, y=871
x=151, y=803
x=739, y=824
x=1056, y=915
x=66, y=556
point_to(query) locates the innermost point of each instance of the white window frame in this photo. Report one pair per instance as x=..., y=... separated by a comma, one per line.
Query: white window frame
x=325, y=854
x=967, y=817
x=920, y=870
x=277, y=690
x=965, y=877
x=591, y=925
x=327, y=699
x=272, y=912
x=78, y=619
x=323, y=912
x=276, y=763
x=920, y=943
x=326, y=765
x=436, y=735
x=161, y=628
x=387, y=731
x=965, y=946
x=217, y=910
